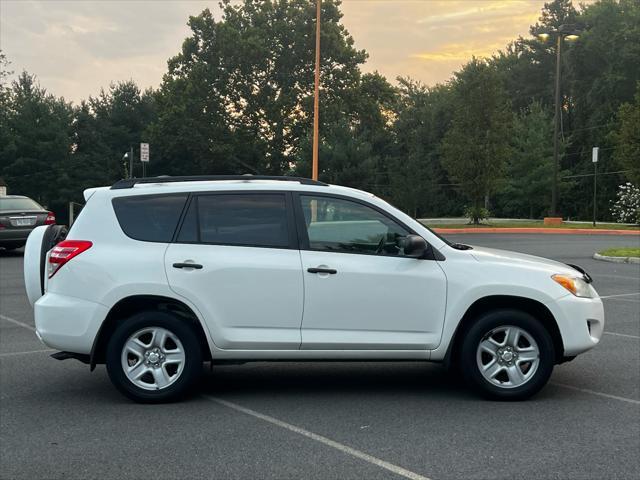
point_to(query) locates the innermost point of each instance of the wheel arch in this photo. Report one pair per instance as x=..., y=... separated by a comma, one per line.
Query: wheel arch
x=128, y=306
x=500, y=302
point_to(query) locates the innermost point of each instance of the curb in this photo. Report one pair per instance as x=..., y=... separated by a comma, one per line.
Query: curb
x=606, y=258
x=548, y=231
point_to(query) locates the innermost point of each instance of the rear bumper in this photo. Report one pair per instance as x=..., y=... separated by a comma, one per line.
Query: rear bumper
x=581, y=322
x=68, y=323
x=14, y=235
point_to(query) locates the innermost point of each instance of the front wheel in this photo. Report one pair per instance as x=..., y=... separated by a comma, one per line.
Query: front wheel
x=507, y=355
x=154, y=357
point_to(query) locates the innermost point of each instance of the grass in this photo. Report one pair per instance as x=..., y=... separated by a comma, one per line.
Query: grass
x=534, y=224
x=621, y=252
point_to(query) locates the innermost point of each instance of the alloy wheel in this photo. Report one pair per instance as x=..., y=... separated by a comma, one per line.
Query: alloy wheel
x=153, y=358
x=508, y=356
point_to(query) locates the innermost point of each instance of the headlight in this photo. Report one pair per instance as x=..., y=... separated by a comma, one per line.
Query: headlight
x=576, y=285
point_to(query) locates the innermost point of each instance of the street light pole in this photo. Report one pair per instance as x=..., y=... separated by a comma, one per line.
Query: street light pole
x=556, y=124
x=570, y=32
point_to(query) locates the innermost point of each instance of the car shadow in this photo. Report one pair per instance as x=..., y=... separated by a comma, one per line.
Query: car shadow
x=19, y=252
x=331, y=378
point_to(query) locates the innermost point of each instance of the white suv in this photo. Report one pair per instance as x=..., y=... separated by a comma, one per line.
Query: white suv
x=158, y=275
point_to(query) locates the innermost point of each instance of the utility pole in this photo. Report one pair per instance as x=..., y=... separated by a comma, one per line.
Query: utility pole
x=594, y=159
x=316, y=94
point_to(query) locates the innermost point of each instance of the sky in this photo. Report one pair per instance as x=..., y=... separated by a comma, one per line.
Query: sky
x=75, y=47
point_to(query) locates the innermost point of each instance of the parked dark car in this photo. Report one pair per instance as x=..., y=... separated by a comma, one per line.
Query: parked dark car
x=18, y=216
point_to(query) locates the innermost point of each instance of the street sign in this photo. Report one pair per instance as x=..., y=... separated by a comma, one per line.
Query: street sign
x=144, y=152
x=594, y=154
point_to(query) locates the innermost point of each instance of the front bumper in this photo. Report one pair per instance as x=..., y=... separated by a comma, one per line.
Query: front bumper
x=581, y=322
x=68, y=323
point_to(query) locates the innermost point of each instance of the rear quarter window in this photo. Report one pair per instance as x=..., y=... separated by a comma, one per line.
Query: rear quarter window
x=150, y=218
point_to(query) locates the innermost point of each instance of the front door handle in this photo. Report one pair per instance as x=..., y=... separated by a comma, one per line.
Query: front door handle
x=330, y=271
x=197, y=266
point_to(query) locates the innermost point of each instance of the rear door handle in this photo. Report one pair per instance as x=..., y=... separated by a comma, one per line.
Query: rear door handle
x=330, y=271
x=197, y=266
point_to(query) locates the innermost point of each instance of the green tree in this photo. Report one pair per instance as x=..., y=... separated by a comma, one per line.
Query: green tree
x=250, y=80
x=627, y=138
x=40, y=137
x=356, y=138
x=416, y=175
x=527, y=66
x=526, y=190
x=476, y=146
x=5, y=97
x=109, y=124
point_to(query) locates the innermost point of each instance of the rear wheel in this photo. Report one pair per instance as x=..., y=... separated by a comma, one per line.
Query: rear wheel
x=507, y=355
x=154, y=357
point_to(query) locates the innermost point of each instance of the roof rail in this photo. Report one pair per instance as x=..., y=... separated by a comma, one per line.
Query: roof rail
x=130, y=182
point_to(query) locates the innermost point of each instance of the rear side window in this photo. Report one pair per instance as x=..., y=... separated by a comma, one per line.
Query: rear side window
x=258, y=220
x=151, y=218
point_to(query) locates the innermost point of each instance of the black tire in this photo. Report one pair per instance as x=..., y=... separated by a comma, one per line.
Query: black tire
x=491, y=322
x=52, y=236
x=11, y=247
x=191, y=370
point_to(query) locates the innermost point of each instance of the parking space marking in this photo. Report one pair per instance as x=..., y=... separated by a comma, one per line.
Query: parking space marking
x=624, y=277
x=619, y=295
x=600, y=394
x=11, y=354
x=16, y=322
x=621, y=335
x=632, y=300
x=324, y=440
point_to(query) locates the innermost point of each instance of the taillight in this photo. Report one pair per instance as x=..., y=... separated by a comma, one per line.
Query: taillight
x=51, y=219
x=65, y=251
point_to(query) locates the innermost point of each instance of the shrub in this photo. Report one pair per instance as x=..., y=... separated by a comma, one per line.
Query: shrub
x=476, y=214
x=626, y=209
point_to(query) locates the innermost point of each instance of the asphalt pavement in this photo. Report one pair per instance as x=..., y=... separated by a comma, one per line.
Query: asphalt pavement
x=331, y=420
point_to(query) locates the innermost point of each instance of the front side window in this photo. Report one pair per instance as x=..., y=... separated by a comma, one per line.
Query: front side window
x=258, y=220
x=338, y=225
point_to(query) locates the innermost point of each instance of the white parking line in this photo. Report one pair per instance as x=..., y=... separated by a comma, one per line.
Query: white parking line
x=621, y=335
x=11, y=354
x=620, y=295
x=16, y=322
x=324, y=440
x=600, y=394
x=618, y=299
x=624, y=277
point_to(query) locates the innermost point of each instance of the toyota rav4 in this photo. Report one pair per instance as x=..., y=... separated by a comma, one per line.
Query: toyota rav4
x=159, y=275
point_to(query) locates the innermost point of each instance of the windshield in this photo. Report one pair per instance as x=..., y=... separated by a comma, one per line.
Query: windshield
x=18, y=204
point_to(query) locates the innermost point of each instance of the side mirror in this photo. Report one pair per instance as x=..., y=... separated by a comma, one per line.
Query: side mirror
x=414, y=246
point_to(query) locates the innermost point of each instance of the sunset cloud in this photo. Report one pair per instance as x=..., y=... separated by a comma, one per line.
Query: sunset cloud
x=457, y=51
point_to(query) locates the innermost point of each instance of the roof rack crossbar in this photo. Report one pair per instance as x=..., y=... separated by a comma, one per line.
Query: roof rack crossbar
x=130, y=182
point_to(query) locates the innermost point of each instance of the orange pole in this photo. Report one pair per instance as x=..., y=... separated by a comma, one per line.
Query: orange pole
x=316, y=94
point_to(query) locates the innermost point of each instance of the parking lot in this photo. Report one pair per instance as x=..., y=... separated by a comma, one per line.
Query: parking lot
x=331, y=420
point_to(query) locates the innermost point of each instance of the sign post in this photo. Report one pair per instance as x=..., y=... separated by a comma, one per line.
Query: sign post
x=594, y=159
x=144, y=157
